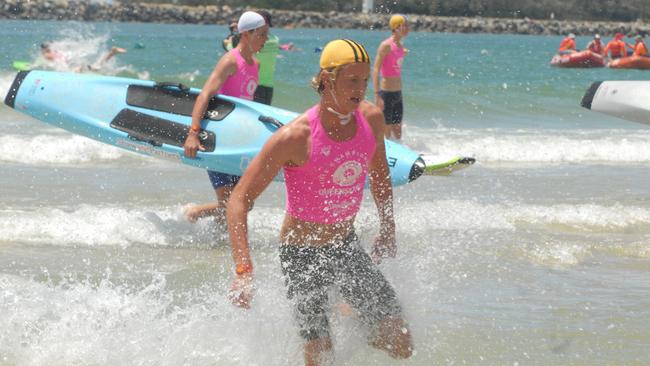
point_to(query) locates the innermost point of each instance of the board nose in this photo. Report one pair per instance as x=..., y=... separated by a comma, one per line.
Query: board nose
x=10, y=99
x=417, y=169
x=588, y=98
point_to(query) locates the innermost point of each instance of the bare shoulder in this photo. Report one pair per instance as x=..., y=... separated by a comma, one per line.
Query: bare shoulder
x=295, y=131
x=292, y=139
x=227, y=62
x=385, y=43
x=374, y=116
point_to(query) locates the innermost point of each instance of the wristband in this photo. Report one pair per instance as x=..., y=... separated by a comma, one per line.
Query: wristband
x=243, y=269
x=195, y=129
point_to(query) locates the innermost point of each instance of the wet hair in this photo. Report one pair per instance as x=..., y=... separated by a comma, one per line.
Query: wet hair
x=235, y=39
x=317, y=81
x=267, y=17
x=45, y=45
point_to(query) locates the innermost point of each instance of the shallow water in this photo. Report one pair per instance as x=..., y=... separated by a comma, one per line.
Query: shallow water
x=539, y=254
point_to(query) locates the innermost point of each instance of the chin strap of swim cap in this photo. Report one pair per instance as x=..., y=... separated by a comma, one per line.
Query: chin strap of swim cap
x=344, y=119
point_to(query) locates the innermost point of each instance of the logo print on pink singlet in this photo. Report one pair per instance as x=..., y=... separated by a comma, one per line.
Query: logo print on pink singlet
x=250, y=87
x=347, y=173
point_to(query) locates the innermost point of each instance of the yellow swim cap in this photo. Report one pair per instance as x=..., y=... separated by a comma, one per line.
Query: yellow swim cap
x=342, y=52
x=396, y=20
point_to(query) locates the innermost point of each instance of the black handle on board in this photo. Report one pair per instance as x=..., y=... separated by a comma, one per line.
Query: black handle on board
x=271, y=120
x=171, y=84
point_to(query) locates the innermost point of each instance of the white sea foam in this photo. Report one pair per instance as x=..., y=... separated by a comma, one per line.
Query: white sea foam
x=88, y=225
x=84, y=323
x=558, y=254
x=535, y=146
x=5, y=82
x=486, y=146
x=465, y=214
x=99, y=225
x=56, y=149
x=584, y=216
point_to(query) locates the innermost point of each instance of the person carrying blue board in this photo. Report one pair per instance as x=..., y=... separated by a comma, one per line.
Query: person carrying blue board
x=326, y=155
x=266, y=57
x=236, y=74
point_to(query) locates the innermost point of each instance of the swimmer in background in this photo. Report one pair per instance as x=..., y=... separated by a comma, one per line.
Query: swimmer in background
x=58, y=59
x=388, y=64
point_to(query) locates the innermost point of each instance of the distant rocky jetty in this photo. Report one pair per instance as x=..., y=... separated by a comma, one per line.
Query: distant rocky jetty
x=165, y=13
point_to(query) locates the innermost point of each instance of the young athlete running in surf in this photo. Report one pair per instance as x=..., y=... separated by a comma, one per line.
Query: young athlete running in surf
x=236, y=74
x=388, y=94
x=326, y=154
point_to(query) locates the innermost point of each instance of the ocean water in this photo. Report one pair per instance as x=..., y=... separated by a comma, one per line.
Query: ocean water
x=537, y=255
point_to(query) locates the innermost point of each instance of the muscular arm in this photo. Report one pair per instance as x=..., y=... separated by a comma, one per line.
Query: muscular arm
x=226, y=67
x=382, y=51
x=380, y=183
x=288, y=145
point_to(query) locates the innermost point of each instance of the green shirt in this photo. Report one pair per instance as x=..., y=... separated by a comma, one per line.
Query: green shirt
x=267, y=57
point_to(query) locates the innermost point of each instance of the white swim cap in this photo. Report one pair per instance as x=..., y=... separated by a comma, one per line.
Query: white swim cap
x=571, y=35
x=250, y=20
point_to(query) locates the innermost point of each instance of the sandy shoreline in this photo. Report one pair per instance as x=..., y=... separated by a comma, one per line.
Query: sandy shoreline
x=165, y=13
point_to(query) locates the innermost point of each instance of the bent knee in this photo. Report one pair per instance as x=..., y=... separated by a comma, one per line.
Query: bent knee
x=401, y=348
x=394, y=338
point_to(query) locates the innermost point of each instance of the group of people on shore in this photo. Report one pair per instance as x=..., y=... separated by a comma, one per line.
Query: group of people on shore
x=326, y=155
x=616, y=48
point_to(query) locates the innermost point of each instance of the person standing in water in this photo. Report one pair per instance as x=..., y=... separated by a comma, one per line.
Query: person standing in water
x=326, y=154
x=236, y=74
x=388, y=94
x=267, y=57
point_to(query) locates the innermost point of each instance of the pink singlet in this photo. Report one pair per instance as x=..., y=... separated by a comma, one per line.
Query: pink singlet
x=392, y=65
x=241, y=84
x=328, y=187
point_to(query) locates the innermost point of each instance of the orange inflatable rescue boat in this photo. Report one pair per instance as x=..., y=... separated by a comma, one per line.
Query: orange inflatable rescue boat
x=631, y=62
x=582, y=59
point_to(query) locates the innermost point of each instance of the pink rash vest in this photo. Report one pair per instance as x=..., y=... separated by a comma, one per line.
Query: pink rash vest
x=243, y=83
x=392, y=65
x=328, y=187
